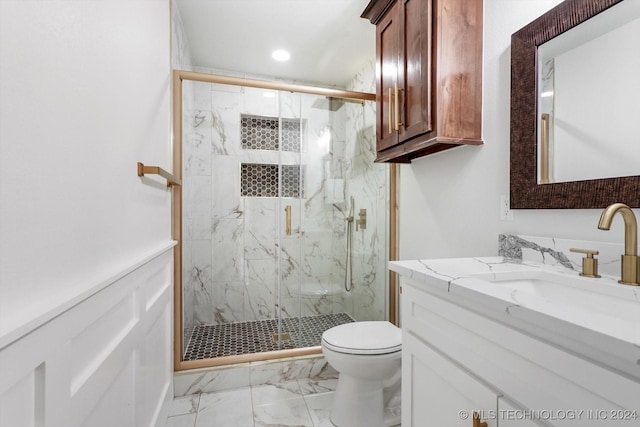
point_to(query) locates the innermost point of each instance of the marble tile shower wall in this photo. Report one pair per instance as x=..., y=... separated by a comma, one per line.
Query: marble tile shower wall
x=230, y=252
x=368, y=183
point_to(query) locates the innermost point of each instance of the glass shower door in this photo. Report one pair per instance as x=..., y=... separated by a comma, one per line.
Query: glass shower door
x=270, y=180
x=292, y=137
x=313, y=250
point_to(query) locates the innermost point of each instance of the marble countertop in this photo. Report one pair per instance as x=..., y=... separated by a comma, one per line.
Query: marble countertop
x=598, y=331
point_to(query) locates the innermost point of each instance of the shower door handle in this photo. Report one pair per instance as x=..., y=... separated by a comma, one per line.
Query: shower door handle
x=287, y=211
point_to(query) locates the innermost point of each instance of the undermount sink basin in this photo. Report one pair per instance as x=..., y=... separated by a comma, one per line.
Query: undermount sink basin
x=589, y=294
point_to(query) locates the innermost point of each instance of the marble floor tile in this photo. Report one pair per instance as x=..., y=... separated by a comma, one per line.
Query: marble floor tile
x=272, y=393
x=301, y=403
x=226, y=408
x=188, y=420
x=184, y=405
x=319, y=406
x=291, y=412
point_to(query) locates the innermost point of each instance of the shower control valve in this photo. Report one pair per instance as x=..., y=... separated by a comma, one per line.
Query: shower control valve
x=361, y=222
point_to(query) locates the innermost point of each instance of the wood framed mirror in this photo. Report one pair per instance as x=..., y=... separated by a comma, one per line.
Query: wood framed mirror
x=526, y=192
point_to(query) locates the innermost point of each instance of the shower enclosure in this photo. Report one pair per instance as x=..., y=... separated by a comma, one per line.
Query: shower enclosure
x=272, y=253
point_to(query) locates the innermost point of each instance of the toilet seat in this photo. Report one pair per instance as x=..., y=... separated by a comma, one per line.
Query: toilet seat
x=366, y=338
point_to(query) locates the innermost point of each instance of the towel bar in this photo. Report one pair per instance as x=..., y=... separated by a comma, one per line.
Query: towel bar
x=156, y=170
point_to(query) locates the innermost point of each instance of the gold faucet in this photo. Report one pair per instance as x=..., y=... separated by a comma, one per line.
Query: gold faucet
x=630, y=259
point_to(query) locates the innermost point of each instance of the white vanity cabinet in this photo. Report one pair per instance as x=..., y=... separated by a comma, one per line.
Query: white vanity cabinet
x=443, y=394
x=512, y=416
x=457, y=359
x=437, y=393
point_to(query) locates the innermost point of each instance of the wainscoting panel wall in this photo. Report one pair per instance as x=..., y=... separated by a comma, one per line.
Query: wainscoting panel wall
x=107, y=361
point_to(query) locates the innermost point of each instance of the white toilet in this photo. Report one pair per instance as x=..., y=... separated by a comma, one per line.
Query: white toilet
x=368, y=357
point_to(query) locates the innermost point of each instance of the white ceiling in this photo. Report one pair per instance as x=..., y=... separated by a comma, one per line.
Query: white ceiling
x=328, y=41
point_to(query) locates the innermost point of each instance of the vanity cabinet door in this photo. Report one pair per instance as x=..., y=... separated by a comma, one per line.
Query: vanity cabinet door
x=510, y=416
x=437, y=393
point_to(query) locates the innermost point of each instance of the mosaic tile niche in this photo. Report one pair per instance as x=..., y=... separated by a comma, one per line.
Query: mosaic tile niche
x=260, y=180
x=263, y=133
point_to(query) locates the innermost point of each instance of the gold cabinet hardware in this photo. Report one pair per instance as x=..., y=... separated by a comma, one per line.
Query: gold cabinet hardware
x=544, y=149
x=477, y=422
x=390, y=114
x=397, y=107
x=287, y=211
x=589, y=263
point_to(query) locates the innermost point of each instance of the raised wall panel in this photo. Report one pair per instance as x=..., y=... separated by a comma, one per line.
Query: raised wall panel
x=120, y=394
x=154, y=377
x=22, y=404
x=94, y=344
x=107, y=361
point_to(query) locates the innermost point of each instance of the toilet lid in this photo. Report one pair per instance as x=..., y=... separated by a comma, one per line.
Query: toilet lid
x=376, y=337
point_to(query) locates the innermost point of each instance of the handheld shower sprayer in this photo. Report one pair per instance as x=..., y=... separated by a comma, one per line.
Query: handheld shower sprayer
x=350, y=216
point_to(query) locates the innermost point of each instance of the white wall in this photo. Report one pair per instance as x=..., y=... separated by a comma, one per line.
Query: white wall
x=449, y=202
x=85, y=94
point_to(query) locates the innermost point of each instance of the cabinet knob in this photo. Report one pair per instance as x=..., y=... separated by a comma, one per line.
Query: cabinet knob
x=477, y=422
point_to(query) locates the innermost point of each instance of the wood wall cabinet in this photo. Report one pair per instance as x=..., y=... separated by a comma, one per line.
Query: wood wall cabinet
x=429, y=76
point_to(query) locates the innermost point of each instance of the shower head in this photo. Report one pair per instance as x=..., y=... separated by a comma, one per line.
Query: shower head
x=328, y=103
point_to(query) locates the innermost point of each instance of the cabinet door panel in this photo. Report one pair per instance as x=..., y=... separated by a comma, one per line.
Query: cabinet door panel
x=436, y=392
x=458, y=83
x=387, y=33
x=415, y=76
x=508, y=415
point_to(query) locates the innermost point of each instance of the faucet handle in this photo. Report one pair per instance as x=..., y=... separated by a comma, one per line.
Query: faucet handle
x=589, y=263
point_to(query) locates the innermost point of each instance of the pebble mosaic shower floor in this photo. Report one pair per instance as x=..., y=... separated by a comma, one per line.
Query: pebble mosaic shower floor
x=232, y=339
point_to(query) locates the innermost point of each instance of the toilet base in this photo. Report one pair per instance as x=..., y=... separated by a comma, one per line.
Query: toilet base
x=392, y=405
x=361, y=403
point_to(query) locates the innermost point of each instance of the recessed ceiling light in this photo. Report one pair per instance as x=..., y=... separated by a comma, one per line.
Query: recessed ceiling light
x=281, y=55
